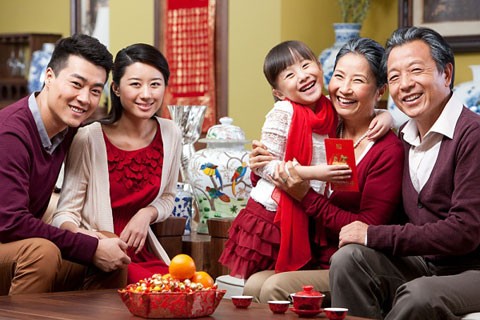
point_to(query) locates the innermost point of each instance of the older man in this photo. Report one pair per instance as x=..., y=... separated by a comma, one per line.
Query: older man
x=428, y=268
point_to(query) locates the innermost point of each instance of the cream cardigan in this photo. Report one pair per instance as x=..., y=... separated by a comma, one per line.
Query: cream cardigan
x=85, y=196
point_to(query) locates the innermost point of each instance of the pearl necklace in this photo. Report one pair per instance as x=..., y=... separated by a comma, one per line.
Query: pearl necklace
x=356, y=143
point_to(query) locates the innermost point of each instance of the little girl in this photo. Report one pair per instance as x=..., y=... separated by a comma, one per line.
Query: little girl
x=274, y=234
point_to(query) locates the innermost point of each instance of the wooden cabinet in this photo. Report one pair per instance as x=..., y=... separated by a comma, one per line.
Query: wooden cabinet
x=19, y=46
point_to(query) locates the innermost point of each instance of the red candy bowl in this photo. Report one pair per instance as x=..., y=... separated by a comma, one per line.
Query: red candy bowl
x=278, y=306
x=172, y=304
x=242, y=301
x=336, y=313
x=308, y=299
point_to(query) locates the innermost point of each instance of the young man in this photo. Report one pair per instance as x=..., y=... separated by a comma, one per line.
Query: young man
x=428, y=268
x=35, y=134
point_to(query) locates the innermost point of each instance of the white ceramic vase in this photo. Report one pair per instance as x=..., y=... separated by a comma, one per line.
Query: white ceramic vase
x=469, y=92
x=343, y=33
x=219, y=174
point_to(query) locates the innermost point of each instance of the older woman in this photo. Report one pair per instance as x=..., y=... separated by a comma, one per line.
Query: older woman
x=357, y=84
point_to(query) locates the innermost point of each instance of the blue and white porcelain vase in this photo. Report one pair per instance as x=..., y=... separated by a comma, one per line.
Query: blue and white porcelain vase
x=183, y=206
x=38, y=65
x=469, y=92
x=343, y=33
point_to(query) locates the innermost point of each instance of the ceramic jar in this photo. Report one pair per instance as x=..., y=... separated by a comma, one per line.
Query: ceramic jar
x=38, y=65
x=469, y=92
x=183, y=205
x=308, y=299
x=343, y=33
x=219, y=174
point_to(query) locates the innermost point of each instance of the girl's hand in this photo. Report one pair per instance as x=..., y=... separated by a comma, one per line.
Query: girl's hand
x=259, y=156
x=380, y=125
x=136, y=230
x=324, y=172
x=333, y=172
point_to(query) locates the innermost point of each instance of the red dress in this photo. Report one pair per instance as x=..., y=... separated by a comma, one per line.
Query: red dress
x=135, y=178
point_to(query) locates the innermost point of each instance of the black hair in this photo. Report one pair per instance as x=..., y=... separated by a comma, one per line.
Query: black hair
x=284, y=55
x=84, y=46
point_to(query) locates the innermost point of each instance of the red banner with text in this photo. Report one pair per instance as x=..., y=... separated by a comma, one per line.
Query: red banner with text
x=189, y=46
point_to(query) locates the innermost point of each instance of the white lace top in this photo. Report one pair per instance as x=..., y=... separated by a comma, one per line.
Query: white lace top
x=274, y=136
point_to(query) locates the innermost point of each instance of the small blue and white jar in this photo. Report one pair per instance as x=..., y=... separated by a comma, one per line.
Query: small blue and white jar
x=469, y=92
x=38, y=65
x=183, y=205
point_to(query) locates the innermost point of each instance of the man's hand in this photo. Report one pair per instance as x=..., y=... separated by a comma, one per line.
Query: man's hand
x=259, y=156
x=110, y=254
x=354, y=232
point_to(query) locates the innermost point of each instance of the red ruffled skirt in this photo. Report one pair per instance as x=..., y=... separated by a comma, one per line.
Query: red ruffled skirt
x=253, y=243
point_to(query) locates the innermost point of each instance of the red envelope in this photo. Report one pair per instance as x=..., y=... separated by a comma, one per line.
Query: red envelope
x=341, y=151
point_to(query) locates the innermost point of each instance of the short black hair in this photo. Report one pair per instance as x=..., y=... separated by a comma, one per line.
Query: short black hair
x=84, y=46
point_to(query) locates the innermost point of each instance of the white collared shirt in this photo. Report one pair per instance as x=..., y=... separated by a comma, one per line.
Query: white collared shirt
x=423, y=153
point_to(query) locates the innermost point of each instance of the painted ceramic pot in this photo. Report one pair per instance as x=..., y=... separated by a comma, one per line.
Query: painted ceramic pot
x=469, y=92
x=219, y=174
x=343, y=33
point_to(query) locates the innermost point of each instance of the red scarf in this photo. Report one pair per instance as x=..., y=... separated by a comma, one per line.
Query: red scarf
x=295, y=250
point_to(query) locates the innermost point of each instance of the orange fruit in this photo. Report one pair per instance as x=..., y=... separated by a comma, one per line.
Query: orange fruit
x=182, y=267
x=204, y=278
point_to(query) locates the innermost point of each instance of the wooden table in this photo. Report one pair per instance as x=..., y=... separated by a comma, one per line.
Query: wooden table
x=106, y=305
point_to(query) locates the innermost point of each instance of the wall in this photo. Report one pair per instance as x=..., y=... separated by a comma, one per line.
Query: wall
x=254, y=27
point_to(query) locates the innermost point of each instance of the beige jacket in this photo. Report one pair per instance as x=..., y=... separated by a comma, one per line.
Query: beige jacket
x=85, y=196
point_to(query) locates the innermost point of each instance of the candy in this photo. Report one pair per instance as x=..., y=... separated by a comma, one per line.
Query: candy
x=158, y=283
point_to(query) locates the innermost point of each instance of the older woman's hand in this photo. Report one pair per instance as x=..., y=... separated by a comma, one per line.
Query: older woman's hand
x=259, y=156
x=290, y=181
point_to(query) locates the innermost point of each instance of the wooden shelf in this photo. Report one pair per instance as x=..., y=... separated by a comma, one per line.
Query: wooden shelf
x=14, y=87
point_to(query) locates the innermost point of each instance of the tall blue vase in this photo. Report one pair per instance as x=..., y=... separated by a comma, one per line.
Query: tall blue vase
x=343, y=33
x=38, y=65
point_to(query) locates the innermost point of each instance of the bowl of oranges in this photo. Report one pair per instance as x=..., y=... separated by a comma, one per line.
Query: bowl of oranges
x=182, y=293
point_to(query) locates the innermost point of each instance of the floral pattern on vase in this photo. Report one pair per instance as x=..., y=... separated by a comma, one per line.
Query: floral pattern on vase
x=469, y=92
x=343, y=33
